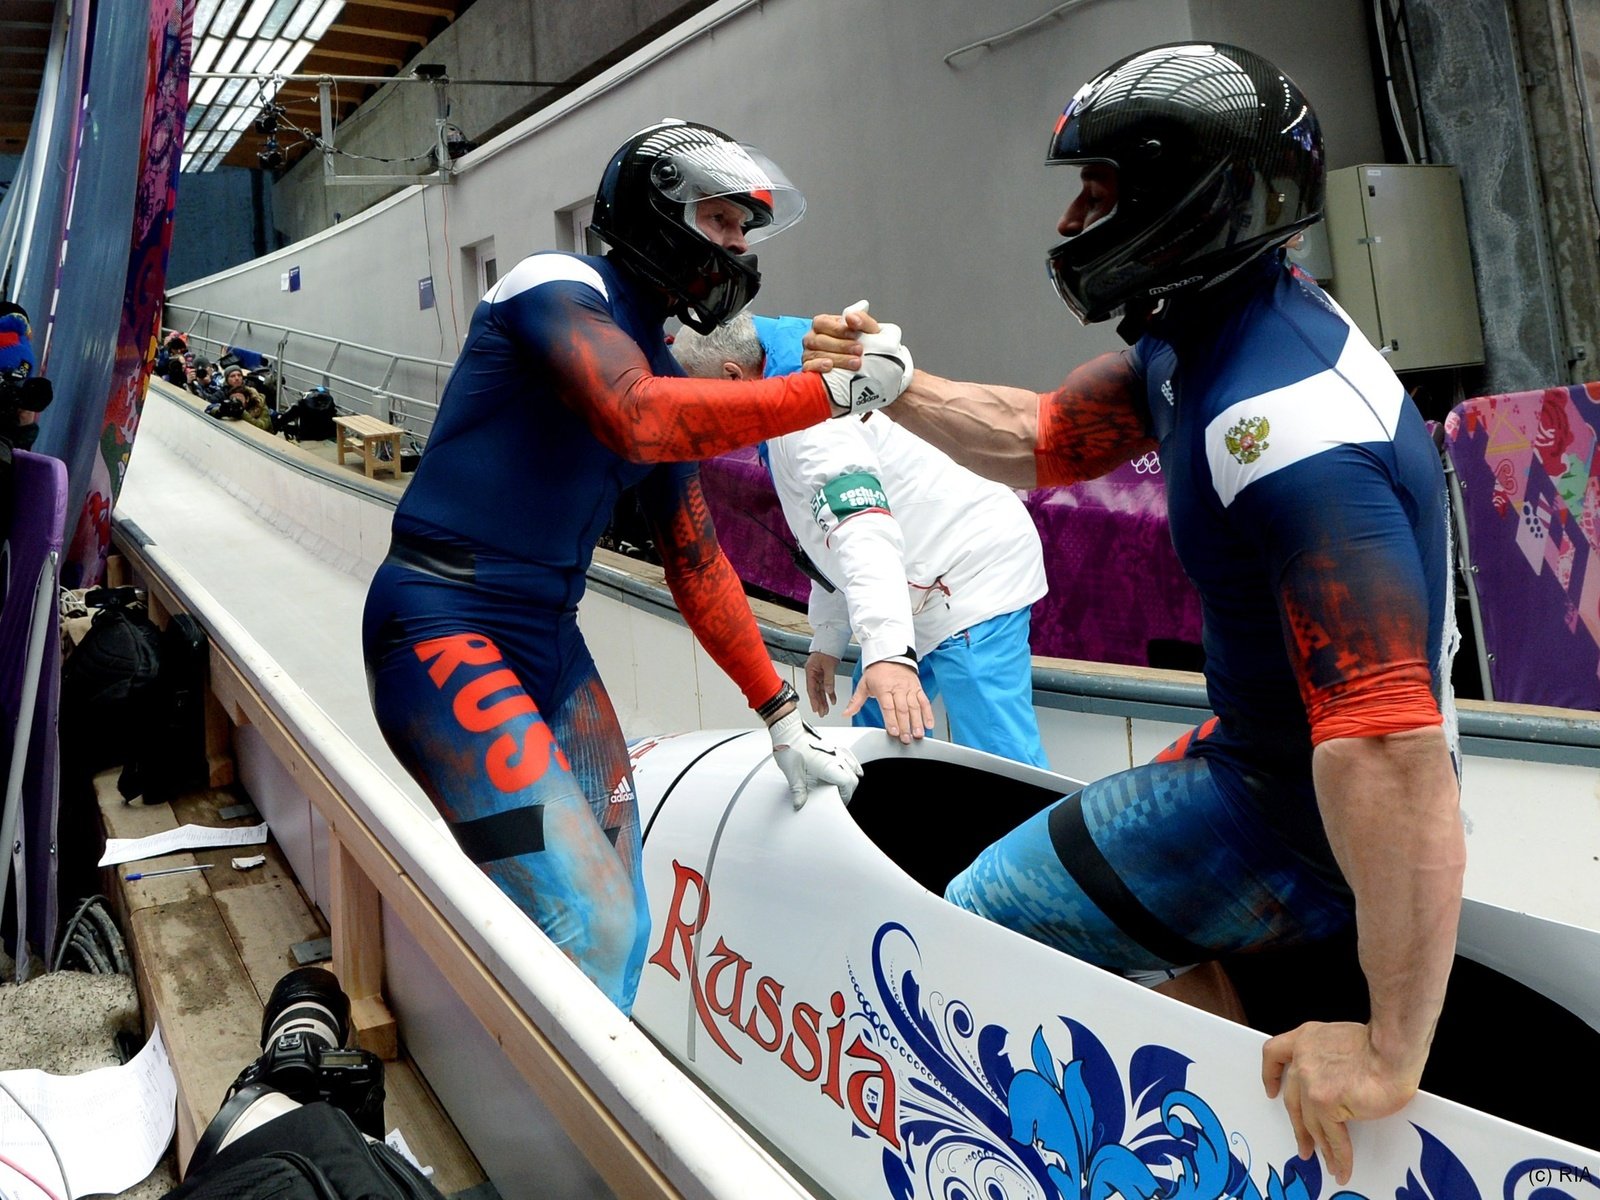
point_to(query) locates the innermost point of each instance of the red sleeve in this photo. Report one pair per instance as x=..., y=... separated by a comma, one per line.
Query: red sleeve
x=703, y=581
x=1091, y=424
x=647, y=418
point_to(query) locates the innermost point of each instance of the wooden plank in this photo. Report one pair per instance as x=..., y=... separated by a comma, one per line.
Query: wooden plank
x=200, y=996
x=266, y=921
x=356, y=918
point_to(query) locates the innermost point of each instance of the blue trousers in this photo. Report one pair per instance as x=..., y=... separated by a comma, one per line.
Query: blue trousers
x=985, y=675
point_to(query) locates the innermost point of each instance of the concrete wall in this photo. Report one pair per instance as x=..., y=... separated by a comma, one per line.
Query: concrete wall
x=547, y=40
x=224, y=218
x=926, y=183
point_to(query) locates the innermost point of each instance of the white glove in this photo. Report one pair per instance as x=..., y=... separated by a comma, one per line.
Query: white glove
x=807, y=761
x=885, y=373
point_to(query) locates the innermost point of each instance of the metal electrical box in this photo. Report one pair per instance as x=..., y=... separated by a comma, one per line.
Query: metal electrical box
x=1397, y=235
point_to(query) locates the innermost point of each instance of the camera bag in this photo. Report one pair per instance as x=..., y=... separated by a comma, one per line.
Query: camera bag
x=312, y=1153
x=108, y=686
x=311, y=419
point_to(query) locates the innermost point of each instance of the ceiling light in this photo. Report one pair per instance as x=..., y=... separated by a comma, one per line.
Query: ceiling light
x=302, y=17
x=252, y=57
x=203, y=12
x=273, y=26
x=325, y=18
x=229, y=56
x=205, y=56
x=250, y=23
x=291, y=61
x=227, y=14
x=275, y=55
x=207, y=92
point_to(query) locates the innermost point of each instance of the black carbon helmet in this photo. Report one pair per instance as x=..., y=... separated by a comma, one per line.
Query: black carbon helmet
x=645, y=211
x=1218, y=157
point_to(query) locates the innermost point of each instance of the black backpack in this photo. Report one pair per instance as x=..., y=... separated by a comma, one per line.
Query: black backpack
x=311, y=419
x=312, y=1153
x=108, y=688
x=170, y=757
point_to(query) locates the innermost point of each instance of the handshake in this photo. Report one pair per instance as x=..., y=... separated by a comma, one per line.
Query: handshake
x=858, y=383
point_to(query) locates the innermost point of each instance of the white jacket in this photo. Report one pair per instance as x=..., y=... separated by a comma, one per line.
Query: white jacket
x=917, y=546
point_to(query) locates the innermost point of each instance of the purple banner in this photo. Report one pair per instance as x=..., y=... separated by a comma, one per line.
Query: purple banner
x=1531, y=504
x=32, y=550
x=1115, y=582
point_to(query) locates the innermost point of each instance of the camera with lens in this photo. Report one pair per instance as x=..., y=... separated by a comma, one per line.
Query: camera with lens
x=303, y=1031
x=20, y=392
x=229, y=408
x=303, y=1060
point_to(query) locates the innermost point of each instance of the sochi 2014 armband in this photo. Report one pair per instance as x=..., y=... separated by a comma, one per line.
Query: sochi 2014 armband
x=845, y=497
x=768, y=712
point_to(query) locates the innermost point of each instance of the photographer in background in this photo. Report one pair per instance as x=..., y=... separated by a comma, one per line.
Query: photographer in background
x=240, y=401
x=23, y=395
x=206, y=382
x=305, y=1120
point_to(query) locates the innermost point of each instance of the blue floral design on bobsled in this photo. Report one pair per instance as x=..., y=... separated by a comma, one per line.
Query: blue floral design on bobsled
x=973, y=1127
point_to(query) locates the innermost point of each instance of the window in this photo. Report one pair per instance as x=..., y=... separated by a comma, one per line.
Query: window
x=574, y=233
x=485, y=268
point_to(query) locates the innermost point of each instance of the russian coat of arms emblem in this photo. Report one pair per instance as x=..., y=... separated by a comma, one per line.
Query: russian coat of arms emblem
x=1247, y=440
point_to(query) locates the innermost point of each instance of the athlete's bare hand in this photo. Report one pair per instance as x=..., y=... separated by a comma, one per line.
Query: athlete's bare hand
x=821, y=670
x=907, y=712
x=1330, y=1075
x=832, y=341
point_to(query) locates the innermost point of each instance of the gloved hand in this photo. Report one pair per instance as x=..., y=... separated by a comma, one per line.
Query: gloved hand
x=885, y=373
x=806, y=760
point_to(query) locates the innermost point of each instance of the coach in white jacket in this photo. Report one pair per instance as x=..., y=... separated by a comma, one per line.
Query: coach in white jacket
x=933, y=568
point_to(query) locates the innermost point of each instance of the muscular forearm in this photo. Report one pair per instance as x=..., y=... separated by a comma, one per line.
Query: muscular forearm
x=1091, y=424
x=990, y=429
x=1390, y=805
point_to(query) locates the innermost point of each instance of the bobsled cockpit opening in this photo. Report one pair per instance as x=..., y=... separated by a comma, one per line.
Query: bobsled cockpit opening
x=933, y=817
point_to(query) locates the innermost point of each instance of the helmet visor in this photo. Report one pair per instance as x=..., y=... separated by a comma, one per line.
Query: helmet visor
x=736, y=172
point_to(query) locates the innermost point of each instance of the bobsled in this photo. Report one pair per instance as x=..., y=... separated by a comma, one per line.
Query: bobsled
x=805, y=969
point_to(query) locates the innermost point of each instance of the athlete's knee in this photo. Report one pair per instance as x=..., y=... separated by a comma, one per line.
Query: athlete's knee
x=618, y=939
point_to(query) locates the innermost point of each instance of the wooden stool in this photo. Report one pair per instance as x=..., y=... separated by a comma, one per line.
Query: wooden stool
x=363, y=434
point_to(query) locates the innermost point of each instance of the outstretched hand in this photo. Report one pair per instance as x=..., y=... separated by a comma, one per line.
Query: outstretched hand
x=834, y=341
x=1330, y=1075
x=907, y=712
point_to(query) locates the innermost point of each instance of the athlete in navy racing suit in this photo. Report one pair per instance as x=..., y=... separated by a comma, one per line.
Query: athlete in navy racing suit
x=1307, y=504
x=564, y=394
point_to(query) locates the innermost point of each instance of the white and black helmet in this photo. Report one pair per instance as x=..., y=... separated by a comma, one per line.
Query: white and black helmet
x=645, y=211
x=1218, y=157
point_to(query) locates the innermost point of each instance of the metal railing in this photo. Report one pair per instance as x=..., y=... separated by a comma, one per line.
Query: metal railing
x=406, y=392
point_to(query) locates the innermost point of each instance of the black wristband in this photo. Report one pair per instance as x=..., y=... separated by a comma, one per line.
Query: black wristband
x=784, y=694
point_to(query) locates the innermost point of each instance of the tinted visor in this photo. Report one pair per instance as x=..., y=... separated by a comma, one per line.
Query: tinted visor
x=733, y=171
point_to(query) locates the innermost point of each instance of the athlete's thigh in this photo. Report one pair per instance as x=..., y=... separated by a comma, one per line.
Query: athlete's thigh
x=586, y=726
x=463, y=723
x=1150, y=868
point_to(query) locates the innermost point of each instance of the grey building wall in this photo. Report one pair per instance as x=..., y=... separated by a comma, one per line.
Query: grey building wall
x=926, y=182
x=503, y=40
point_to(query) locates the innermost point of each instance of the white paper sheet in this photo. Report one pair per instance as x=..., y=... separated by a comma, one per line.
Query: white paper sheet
x=110, y=1126
x=184, y=837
